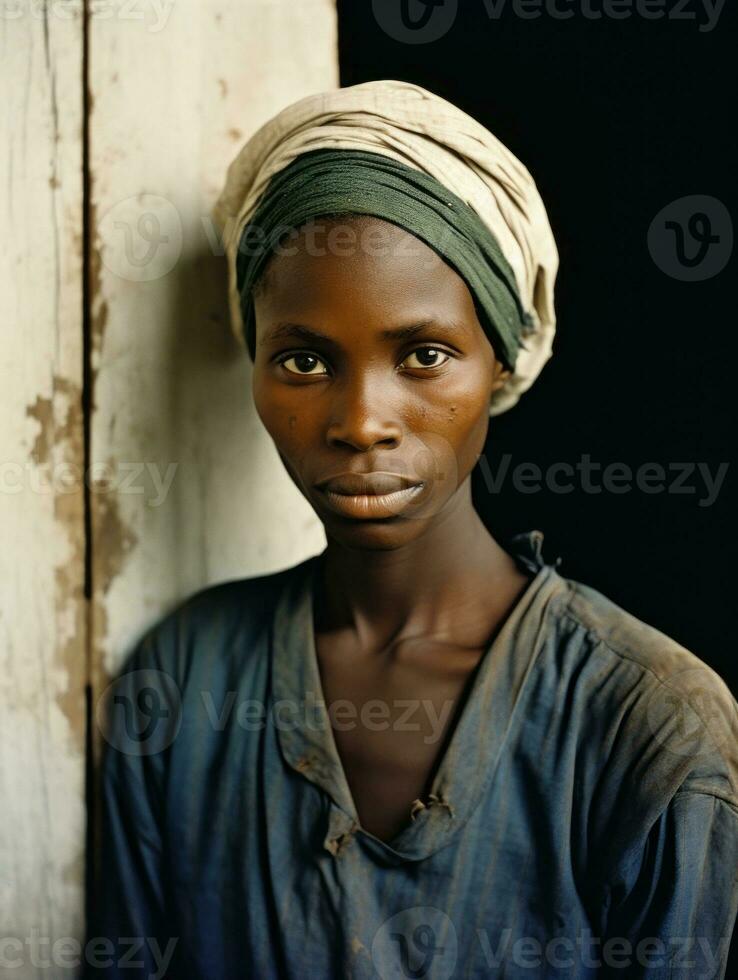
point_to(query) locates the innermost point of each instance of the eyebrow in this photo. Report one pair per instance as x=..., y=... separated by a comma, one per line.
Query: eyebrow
x=404, y=332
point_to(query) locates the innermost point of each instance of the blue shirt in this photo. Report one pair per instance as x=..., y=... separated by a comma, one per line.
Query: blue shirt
x=583, y=819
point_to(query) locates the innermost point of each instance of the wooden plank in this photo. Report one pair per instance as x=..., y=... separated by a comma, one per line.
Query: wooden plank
x=198, y=494
x=42, y=607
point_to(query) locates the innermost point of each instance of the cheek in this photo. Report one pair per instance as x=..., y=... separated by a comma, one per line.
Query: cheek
x=446, y=448
x=462, y=419
x=276, y=407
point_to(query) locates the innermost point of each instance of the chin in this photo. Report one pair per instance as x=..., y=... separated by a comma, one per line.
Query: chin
x=374, y=535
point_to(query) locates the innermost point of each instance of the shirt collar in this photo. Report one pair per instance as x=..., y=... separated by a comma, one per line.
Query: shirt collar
x=469, y=761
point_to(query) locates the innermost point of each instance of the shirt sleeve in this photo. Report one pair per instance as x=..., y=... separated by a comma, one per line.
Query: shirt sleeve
x=139, y=716
x=677, y=918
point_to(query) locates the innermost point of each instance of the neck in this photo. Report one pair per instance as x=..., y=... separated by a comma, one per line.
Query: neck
x=441, y=584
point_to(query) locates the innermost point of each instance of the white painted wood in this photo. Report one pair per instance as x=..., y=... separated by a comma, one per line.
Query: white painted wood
x=175, y=88
x=175, y=96
x=42, y=608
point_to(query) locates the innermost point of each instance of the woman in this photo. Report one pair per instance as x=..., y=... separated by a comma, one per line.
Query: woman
x=418, y=753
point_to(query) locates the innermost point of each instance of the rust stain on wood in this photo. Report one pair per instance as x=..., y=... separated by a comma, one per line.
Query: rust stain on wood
x=58, y=446
x=69, y=599
x=113, y=540
x=70, y=606
x=66, y=434
x=42, y=411
x=98, y=305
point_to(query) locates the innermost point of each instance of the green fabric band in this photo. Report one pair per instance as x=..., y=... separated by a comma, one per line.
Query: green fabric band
x=326, y=181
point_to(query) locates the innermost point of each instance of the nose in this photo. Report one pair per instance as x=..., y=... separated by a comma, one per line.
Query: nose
x=362, y=417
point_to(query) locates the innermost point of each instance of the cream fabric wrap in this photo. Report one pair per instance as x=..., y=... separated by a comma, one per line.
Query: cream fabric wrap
x=422, y=130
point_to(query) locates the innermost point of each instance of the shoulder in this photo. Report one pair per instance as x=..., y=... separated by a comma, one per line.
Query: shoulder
x=667, y=719
x=655, y=770
x=212, y=643
x=624, y=636
x=213, y=621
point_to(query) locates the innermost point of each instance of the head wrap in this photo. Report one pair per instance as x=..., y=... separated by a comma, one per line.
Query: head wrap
x=397, y=151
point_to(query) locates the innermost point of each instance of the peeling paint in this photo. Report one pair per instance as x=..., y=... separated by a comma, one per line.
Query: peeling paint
x=69, y=599
x=65, y=398
x=70, y=609
x=112, y=540
x=43, y=412
x=98, y=305
x=60, y=440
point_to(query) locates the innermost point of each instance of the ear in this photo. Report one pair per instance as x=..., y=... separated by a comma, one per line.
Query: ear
x=500, y=376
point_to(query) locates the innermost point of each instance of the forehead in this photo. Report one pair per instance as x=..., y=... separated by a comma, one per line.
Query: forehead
x=360, y=265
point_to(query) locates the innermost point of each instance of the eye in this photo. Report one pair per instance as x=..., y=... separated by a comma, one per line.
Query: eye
x=431, y=353
x=305, y=363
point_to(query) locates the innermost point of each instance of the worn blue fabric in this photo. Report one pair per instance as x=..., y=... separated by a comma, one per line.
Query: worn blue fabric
x=583, y=821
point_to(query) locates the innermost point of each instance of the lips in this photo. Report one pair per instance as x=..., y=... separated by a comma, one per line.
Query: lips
x=367, y=484
x=370, y=496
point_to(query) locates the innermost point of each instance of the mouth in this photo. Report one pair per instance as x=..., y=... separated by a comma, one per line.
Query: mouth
x=371, y=506
x=367, y=484
x=369, y=496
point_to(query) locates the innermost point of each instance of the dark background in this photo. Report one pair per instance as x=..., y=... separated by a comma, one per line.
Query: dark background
x=615, y=120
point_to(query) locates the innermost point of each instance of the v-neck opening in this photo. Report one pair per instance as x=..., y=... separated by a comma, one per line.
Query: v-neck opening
x=452, y=748
x=472, y=752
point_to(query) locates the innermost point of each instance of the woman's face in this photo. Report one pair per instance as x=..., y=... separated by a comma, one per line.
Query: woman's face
x=370, y=360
